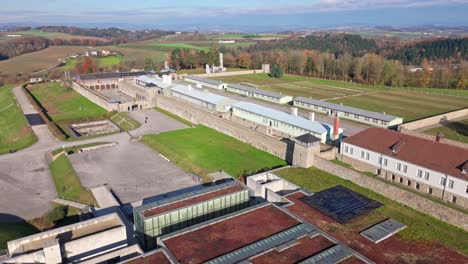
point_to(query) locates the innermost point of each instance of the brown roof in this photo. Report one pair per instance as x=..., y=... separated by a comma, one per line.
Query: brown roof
x=190, y=201
x=222, y=237
x=430, y=154
x=157, y=257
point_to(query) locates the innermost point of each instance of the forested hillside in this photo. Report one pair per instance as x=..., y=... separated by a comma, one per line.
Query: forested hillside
x=22, y=45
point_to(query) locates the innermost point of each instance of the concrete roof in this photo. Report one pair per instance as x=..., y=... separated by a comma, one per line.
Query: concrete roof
x=347, y=109
x=297, y=121
x=150, y=80
x=199, y=94
x=205, y=80
x=257, y=91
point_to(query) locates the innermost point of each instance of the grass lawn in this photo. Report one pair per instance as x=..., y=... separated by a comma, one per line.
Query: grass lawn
x=179, y=45
x=12, y=231
x=40, y=33
x=409, y=103
x=64, y=103
x=457, y=130
x=15, y=132
x=110, y=61
x=67, y=182
x=124, y=121
x=202, y=150
x=420, y=226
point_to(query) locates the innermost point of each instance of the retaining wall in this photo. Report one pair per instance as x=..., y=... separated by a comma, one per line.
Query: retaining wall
x=430, y=137
x=232, y=73
x=95, y=97
x=435, y=120
x=404, y=197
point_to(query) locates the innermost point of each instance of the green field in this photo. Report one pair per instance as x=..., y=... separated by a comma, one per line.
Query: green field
x=420, y=228
x=457, y=130
x=15, y=132
x=202, y=150
x=177, y=45
x=67, y=182
x=410, y=104
x=40, y=33
x=62, y=102
x=125, y=122
x=110, y=61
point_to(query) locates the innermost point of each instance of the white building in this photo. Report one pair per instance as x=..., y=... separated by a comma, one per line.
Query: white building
x=259, y=93
x=209, y=101
x=199, y=81
x=280, y=122
x=355, y=114
x=428, y=166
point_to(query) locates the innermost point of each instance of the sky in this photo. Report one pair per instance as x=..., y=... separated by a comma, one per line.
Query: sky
x=241, y=13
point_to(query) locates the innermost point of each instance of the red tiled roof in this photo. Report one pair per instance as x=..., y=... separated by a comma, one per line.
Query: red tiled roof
x=222, y=237
x=190, y=201
x=306, y=247
x=430, y=154
x=158, y=257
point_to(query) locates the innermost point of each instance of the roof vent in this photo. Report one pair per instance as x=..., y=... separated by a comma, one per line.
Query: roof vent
x=397, y=146
x=464, y=168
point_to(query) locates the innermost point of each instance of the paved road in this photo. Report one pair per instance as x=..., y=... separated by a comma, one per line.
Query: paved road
x=349, y=128
x=156, y=122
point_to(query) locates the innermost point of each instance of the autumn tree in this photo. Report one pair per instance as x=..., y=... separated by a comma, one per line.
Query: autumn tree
x=149, y=64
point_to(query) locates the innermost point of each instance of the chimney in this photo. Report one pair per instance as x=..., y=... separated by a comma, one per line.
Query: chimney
x=294, y=111
x=336, y=126
x=440, y=137
x=221, y=60
x=312, y=116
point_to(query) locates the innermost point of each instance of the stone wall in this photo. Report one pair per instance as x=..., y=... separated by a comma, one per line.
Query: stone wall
x=404, y=197
x=430, y=137
x=435, y=119
x=199, y=116
x=95, y=97
x=232, y=73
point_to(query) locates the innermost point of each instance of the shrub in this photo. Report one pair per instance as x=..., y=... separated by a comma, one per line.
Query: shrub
x=56, y=214
x=276, y=71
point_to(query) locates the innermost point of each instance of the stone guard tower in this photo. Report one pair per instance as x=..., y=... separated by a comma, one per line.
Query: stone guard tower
x=305, y=148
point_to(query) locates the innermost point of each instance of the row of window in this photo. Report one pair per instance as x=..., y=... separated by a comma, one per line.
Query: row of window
x=429, y=189
x=261, y=96
x=346, y=114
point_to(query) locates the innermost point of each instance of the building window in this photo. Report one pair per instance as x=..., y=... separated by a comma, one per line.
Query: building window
x=419, y=174
x=385, y=162
x=450, y=184
x=366, y=118
x=454, y=199
x=405, y=168
x=356, y=116
x=398, y=166
x=409, y=183
x=442, y=181
x=393, y=179
x=362, y=154
x=466, y=191
x=367, y=156
x=401, y=179
x=426, y=176
x=351, y=151
x=346, y=149
x=417, y=186
x=380, y=160
x=429, y=190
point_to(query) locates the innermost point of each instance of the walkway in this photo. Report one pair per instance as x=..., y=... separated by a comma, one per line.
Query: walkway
x=70, y=203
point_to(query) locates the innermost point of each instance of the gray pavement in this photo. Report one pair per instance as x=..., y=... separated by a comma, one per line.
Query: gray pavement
x=133, y=171
x=157, y=122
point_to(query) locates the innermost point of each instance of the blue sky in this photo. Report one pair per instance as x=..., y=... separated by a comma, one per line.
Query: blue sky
x=275, y=13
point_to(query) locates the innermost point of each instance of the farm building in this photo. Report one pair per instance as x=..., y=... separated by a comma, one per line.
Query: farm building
x=431, y=167
x=355, y=114
x=259, y=93
x=188, y=208
x=199, y=81
x=280, y=122
x=274, y=235
x=209, y=101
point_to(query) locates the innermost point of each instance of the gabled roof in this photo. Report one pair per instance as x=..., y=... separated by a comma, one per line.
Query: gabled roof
x=205, y=80
x=199, y=94
x=151, y=82
x=347, y=109
x=426, y=153
x=308, y=138
x=256, y=91
x=297, y=121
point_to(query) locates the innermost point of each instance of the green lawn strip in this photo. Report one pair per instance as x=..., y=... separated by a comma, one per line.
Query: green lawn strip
x=420, y=226
x=110, y=61
x=180, y=46
x=202, y=150
x=63, y=103
x=173, y=116
x=124, y=121
x=15, y=132
x=75, y=149
x=374, y=176
x=67, y=182
x=457, y=130
x=12, y=231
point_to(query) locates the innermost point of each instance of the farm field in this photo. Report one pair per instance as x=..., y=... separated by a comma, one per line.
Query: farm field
x=202, y=150
x=410, y=105
x=52, y=35
x=422, y=231
x=63, y=103
x=35, y=61
x=457, y=130
x=138, y=53
x=15, y=132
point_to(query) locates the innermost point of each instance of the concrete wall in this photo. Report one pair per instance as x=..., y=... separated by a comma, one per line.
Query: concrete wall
x=232, y=73
x=95, y=97
x=435, y=119
x=404, y=197
x=430, y=137
x=199, y=116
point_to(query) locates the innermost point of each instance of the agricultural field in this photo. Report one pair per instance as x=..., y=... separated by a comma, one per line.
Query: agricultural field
x=422, y=231
x=138, y=53
x=177, y=45
x=456, y=130
x=39, y=60
x=15, y=132
x=52, y=35
x=62, y=102
x=409, y=104
x=202, y=150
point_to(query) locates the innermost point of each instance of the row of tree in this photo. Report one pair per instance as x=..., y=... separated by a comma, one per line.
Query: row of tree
x=16, y=47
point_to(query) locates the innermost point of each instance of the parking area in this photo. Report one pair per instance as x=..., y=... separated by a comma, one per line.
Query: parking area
x=156, y=122
x=133, y=171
